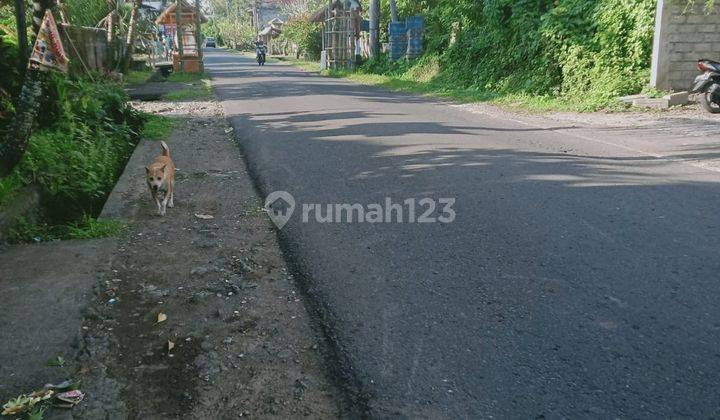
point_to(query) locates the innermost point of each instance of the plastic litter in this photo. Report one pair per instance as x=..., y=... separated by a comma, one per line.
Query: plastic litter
x=69, y=399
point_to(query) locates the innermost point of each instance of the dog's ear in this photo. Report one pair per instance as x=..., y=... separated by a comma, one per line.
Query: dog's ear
x=163, y=168
x=147, y=169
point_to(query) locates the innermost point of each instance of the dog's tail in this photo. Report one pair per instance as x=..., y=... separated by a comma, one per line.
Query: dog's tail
x=166, y=149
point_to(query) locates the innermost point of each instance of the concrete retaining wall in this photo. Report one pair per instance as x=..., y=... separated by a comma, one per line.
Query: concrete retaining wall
x=683, y=34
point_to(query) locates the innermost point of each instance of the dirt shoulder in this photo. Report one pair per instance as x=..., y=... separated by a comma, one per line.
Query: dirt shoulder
x=241, y=342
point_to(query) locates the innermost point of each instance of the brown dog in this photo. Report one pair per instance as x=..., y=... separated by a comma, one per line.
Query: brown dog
x=161, y=179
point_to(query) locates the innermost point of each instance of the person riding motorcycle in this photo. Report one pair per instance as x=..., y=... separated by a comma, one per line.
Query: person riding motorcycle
x=260, y=51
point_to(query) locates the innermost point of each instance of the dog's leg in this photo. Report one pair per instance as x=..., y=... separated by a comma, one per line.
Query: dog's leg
x=159, y=206
x=157, y=200
x=166, y=197
x=171, y=192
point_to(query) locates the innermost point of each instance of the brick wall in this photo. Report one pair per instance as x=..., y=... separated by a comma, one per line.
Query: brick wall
x=683, y=34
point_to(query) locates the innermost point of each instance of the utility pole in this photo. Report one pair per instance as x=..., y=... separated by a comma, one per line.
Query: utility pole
x=374, y=28
x=22, y=32
x=198, y=36
x=178, y=34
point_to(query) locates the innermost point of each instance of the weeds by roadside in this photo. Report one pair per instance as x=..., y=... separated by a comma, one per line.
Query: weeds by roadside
x=85, y=134
x=187, y=77
x=136, y=77
x=199, y=87
x=157, y=127
x=424, y=79
x=299, y=63
x=431, y=85
x=197, y=92
x=87, y=228
x=91, y=228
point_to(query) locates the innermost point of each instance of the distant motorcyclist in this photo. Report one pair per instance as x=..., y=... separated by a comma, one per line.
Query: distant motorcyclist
x=260, y=51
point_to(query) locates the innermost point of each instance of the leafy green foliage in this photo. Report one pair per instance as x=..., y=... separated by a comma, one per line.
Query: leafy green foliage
x=307, y=36
x=9, y=185
x=231, y=25
x=589, y=50
x=86, y=12
x=86, y=134
x=10, y=80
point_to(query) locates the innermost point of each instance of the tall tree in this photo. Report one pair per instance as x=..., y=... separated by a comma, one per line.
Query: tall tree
x=21, y=25
x=14, y=141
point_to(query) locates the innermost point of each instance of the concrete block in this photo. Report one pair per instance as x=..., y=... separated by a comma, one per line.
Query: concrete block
x=695, y=18
x=683, y=47
x=630, y=98
x=675, y=19
x=655, y=103
x=706, y=28
x=687, y=28
x=677, y=98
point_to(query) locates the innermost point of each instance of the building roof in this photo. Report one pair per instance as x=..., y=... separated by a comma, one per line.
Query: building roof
x=167, y=17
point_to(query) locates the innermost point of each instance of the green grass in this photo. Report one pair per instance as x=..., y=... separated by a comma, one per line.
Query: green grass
x=429, y=85
x=87, y=228
x=187, y=77
x=201, y=91
x=91, y=228
x=135, y=77
x=445, y=90
x=157, y=127
x=299, y=63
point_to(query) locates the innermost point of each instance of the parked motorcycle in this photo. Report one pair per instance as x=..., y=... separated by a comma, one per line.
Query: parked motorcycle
x=707, y=85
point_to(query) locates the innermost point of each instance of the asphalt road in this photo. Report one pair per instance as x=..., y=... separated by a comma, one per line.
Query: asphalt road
x=579, y=278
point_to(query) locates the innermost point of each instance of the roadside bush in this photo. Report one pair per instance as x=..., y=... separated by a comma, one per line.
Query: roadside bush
x=585, y=50
x=83, y=140
x=307, y=36
x=10, y=80
x=78, y=157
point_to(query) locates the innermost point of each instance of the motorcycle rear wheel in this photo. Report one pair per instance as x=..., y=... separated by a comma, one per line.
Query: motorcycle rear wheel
x=708, y=104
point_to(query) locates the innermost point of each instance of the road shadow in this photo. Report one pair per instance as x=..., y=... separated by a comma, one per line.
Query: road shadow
x=573, y=282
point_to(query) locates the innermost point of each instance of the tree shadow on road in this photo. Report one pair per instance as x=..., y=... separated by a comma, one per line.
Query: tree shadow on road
x=594, y=266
